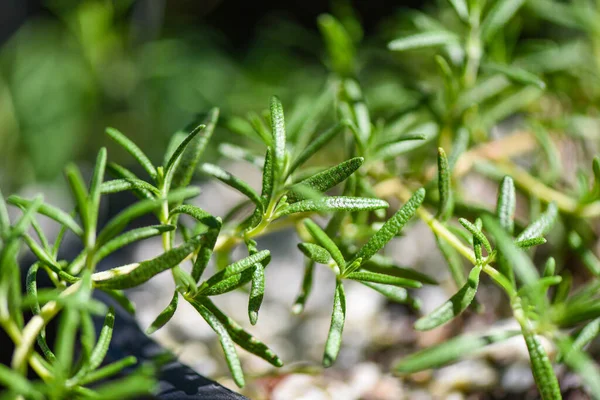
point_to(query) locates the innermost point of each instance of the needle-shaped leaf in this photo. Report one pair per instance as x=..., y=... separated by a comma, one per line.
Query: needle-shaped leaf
x=121, y=185
x=326, y=242
x=506, y=205
x=306, y=287
x=235, y=268
x=453, y=260
x=374, y=277
x=132, y=275
x=259, y=126
x=278, y=127
x=400, y=272
x=268, y=177
x=516, y=74
x=108, y=370
x=527, y=243
x=327, y=179
x=476, y=232
x=17, y=383
x=208, y=240
x=80, y=194
x=175, y=159
x=550, y=267
x=46, y=259
x=461, y=8
x=454, y=306
x=359, y=113
x=423, y=40
x=96, y=181
x=233, y=361
x=588, y=333
x=523, y=266
x=134, y=150
x=257, y=292
x=129, y=237
x=340, y=47
x=120, y=221
x=449, y=351
x=245, y=340
x=541, y=367
x=121, y=172
x=444, y=187
x=315, y=252
x=334, y=338
x=334, y=203
x=587, y=256
x=498, y=17
x=391, y=227
x=317, y=144
x=31, y=290
x=194, y=150
x=230, y=180
x=581, y=364
x=229, y=284
x=101, y=348
x=165, y=315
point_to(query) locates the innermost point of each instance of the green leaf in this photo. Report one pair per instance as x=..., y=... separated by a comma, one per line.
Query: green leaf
x=47, y=260
x=208, y=240
x=229, y=284
x=359, y=113
x=334, y=203
x=230, y=180
x=129, y=237
x=422, y=135
x=132, y=275
x=388, y=268
x=327, y=179
x=550, y=267
x=81, y=195
x=527, y=243
x=306, y=287
x=235, y=268
x=123, y=173
x=121, y=185
x=542, y=368
x=374, y=277
x=95, y=184
x=584, y=337
x=326, y=242
x=165, y=315
x=260, y=128
x=16, y=382
x=454, y=306
x=516, y=74
x=334, y=338
x=394, y=293
x=423, y=40
x=461, y=8
x=245, y=340
x=506, y=205
x=446, y=203
x=317, y=144
x=340, y=47
x=498, y=16
x=31, y=290
x=449, y=351
x=584, y=252
x=391, y=227
x=278, y=127
x=192, y=154
x=175, y=159
x=315, y=252
x=108, y=370
x=268, y=177
x=133, y=150
x=257, y=292
x=477, y=234
x=233, y=362
x=523, y=266
x=581, y=364
x=101, y=348
x=120, y=221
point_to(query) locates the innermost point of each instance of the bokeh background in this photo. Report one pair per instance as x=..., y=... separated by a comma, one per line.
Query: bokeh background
x=68, y=69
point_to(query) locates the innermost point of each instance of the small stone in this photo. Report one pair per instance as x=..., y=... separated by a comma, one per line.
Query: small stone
x=364, y=377
x=465, y=376
x=517, y=378
x=388, y=388
x=299, y=387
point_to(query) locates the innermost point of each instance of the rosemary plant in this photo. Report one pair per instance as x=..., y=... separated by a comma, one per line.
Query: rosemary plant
x=479, y=84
